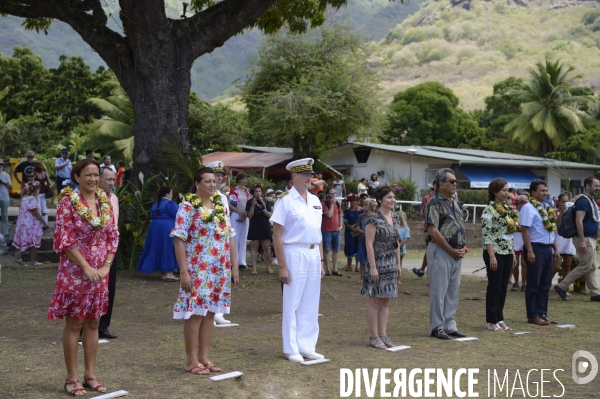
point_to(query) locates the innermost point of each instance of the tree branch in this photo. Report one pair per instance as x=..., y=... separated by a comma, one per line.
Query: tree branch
x=212, y=27
x=110, y=45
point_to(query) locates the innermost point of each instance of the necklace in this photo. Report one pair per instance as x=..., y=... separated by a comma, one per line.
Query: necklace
x=593, y=208
x=84, y=212
x=547, y=214
x=511, y=218
x=218, y=217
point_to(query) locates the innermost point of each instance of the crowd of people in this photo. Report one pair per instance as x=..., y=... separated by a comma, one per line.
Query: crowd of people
x=203, y=239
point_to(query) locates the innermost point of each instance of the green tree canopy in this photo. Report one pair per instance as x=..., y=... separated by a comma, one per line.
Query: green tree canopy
x=549, y=113
x=428, y=114
x=311, y=91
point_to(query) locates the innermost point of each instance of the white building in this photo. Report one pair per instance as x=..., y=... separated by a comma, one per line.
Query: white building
x=473, y=168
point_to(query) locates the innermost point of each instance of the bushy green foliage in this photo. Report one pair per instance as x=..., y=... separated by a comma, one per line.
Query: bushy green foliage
x=311, y=91
x=416, y=35
x=472, y=196
x=428, y=114
x=590, y=16
x=404, y=188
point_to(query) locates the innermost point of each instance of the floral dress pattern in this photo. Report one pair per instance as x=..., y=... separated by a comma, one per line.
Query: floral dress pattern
x=495, y=231
x=384, y=248
x=28, y=232
x=75, y=295
x=208, y=264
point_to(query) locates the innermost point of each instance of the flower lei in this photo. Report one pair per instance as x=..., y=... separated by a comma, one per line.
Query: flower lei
x=218, y=217
x=510, y=216
x=548, y=215
x=84, y=212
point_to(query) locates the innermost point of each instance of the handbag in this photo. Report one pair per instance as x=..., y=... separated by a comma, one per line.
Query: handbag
x=49, y=191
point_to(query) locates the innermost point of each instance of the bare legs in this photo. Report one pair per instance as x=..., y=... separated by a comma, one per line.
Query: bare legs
x=197, y=333
x=515, y=271
x=377, y=315
x=90, y=346
x=266, y=254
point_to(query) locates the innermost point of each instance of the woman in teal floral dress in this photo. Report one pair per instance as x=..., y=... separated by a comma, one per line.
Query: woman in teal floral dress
x=203, y=240
x=498, y=222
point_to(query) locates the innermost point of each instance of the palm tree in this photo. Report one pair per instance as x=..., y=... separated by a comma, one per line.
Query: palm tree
x=115, y=129
x=549, y=112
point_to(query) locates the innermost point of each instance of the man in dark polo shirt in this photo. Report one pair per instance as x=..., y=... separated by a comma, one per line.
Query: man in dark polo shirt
x=586, y=220
x=539, y=251
x=445, y=251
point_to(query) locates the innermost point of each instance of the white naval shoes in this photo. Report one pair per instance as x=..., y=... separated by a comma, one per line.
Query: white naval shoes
x=219, y=319
x=313, y=356
x=295, y=358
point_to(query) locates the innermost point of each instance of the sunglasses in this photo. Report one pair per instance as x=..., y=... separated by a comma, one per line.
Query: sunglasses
x=451, y=181
x=30, y=176
x=30, y=156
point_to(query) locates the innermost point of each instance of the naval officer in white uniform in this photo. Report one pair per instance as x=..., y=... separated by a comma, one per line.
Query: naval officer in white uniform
x=219, y=171
x=296, y=223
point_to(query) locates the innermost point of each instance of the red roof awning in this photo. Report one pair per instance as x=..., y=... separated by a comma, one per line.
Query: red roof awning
x=247, y=160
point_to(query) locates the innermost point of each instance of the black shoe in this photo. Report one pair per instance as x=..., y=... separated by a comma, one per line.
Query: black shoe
x=106, y=335
x=441, y=334
x=336, y=273
x=242, y=266
x=457, y=334
x=595, y=298
x=561, y=293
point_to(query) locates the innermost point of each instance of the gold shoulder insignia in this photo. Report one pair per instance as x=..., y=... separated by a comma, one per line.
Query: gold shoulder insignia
x=283, y=194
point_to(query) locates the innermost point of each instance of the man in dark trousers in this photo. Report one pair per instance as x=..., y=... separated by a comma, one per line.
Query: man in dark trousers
x=107, y=183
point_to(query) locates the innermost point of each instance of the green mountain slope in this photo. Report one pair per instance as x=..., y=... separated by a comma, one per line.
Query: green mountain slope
x=212, y=74
x=469, y=45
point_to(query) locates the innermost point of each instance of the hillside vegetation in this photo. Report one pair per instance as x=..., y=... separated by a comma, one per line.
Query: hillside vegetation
x=213, y=74
x=469, y=45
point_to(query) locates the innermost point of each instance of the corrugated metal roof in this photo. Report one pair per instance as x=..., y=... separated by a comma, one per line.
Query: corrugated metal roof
x=480, y=157
x=247, y=160
x=265, y=149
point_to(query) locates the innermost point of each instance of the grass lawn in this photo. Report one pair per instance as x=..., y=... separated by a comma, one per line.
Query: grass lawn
x=148, y=357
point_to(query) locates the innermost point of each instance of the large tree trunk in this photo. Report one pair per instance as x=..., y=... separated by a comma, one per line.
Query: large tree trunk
x=159, y=86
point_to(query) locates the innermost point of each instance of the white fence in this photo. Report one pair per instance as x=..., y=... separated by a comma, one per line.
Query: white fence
x=472, y=208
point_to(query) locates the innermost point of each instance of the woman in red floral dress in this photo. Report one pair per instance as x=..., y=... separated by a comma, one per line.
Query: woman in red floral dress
x=86, y=239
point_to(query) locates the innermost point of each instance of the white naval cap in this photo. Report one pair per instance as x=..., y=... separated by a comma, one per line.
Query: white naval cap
x=217, y=167
x=301, y=166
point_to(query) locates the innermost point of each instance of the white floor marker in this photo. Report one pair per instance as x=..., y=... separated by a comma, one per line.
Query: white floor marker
x=466, y=339
x=566, y=326
x=116, y=394
x=233, y=374
x=320, y=314
x=227, y=325
x=100, y=341
x=311, y=362
x=522, y=332
x=398, y=348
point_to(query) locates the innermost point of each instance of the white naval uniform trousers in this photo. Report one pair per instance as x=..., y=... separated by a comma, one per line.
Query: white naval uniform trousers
x=302, y=228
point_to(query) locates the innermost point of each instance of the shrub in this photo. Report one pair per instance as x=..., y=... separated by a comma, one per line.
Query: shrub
x=507, y=49
x=405, y=58
x=351, y=186
x=472, y=196
x=394, y=34
x=587, y=42
x=417, y=35
x=562, y=45
x=590, y=16
x=404, y=188
x=595, y=26
x=432, y=51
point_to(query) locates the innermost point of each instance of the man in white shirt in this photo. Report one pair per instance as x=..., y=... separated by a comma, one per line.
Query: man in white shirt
x=63, y=168
x=539, y=251
x=297, y=239
x=108, y=164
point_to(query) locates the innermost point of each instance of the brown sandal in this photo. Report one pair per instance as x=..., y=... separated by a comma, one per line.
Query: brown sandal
x=76, y=390
x=98, y=388
x=213, y=368
x=198, y=370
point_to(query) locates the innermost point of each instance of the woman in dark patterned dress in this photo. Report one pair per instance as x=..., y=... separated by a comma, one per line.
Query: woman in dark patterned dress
x=383, y=267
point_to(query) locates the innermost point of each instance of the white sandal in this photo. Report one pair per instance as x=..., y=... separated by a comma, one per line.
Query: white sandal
x=503, y=326
x=489, y=327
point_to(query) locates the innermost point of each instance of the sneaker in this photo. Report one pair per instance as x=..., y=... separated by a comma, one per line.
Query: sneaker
x=418, y=272
x=515, y=287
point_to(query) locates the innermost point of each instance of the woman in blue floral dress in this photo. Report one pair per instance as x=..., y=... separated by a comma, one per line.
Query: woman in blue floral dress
x=205, y=252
